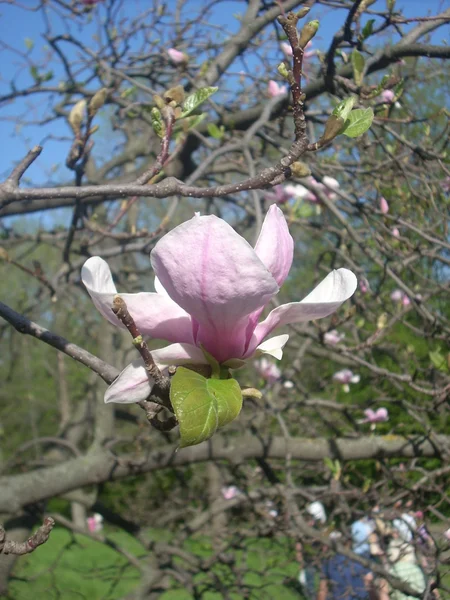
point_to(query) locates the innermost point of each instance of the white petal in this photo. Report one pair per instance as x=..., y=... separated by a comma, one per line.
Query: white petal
x=132, y=385
x=273, y=346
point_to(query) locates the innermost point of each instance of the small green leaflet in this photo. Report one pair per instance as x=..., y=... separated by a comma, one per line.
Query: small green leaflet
x=358, y=63
x=157, y=123
x=343, y=109
x=216, y=132
x=368, y=29
x=439, y=361
x=358, y=122
x=197, y=98
x=203, y=405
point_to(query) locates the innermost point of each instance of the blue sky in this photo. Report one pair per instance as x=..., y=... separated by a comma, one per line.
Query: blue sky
x=20, y=25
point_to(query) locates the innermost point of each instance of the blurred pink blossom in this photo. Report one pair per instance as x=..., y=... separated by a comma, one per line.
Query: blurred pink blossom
x=333, y=337
x=387, y=96
x=447, y=534
x=446, y=184
x=400, y=297
x=278, y=194
x=299, y=191
x=95, y=523
x=363, y=285
x=230, y=491
x=375, y=416
x=384, y=206
x=345, y=376
x=268, y=370
x=176, y=56
x=309, y=53
x=329, y=184
x=395, y=232
x=274, y=89
x=286, y=49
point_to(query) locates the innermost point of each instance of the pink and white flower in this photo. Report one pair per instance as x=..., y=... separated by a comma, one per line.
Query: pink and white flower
x=333, y=337
x=176, y=56
x=363, y=285
x=400, y=297
x=395, y=232
x=230, y=491
x=212, y=287
x=95, y=523
x=268, y=370
x=346, y=376
x=278, y=194
x=375, y=416
x=447, y=534
x=286, y=49
x=387, y=96
x=274, y=89
x=384, y=206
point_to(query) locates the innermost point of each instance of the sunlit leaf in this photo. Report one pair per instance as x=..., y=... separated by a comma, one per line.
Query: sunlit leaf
x=358, y=122
x=194, y=100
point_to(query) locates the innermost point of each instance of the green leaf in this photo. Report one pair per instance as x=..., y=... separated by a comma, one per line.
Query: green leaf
x=358, y=63
x=197, y=98
x=358, y=122
x=194, y=121
x=344, y=108
x=157, y=122
x=47, y=76
x=368, y=29
x=203, y=405
x=215, y=132
x=438, y=360
x=34, y=73
x=29, y=43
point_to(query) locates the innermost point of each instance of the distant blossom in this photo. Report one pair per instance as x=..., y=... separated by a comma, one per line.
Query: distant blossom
x=384, y=206
x=274, y=89
x=176, y=56
x=268, y=370
x=230, y=491
x=400, y=297
x=278, y=194
x=387, y=96
x=327, y=187
x=364, y=285
x=346, y=376
x=286, y=49
x=376, y=416
x=333, y=337
x=447, y=534
x=395, y=232
x=95, y=523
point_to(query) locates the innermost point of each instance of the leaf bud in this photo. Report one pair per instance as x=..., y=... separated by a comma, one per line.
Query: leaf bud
x=302, y=12
x=97, y=101
x=159, y=101
x=299, y=169
x=175, y=94
x=332, y=128
x=282, y=70
x=307, y=33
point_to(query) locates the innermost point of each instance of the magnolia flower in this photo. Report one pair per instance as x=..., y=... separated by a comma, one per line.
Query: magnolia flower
x=230, y=491
x=176, y=56
x=212, y=287
x=95, y=523
x=345, y=377
x=395, y=232
x=268, y=370
x=375, y=416
x=364, y=285
x=400, y=297
x=274, y=89
x=286, y=49
x=384, y=206
x=333, y=337
x=447, y=534
x=387, y=96
x=300, y=192
x=278, y=194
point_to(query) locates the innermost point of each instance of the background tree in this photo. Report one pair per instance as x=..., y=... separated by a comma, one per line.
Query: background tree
x=357, y=413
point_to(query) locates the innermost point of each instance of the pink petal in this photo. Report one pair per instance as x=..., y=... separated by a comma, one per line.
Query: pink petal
x=275, y=246
x=133, y=384
x=384, y=206
x=216, y=276
x=155, y=314
x=324, y=300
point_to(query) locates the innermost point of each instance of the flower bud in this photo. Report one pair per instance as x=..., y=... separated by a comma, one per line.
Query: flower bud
x=302, y=12
x=332, y=128
x=158, y=101
x=299, y=169
x=307, y=33
x=76, y=116
x=97, y=101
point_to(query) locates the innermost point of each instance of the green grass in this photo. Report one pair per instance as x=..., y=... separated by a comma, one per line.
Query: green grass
x=74, y=567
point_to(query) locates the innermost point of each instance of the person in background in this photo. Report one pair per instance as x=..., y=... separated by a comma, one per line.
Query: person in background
x=342, y=578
